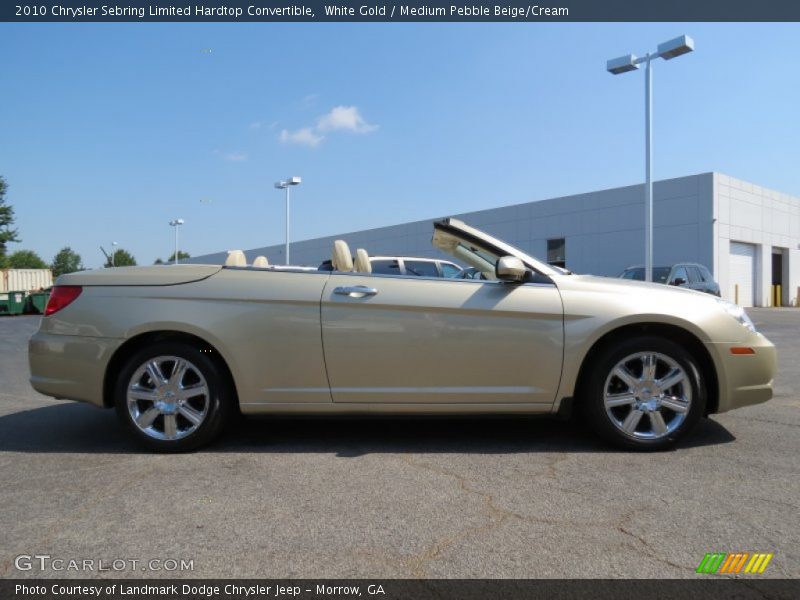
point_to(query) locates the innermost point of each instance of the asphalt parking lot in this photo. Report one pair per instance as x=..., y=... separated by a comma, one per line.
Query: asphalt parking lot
x=473, y=498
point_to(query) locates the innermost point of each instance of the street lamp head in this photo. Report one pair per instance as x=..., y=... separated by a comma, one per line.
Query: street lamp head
x=176, y=222
x=623, y=64
x=285, y=183
x=676, y=47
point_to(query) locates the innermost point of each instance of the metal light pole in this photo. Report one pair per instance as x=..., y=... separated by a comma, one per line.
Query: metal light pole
x=648, y=168
x=113, y=253
x=623, y=64
x=285, y=184
x=176, y=223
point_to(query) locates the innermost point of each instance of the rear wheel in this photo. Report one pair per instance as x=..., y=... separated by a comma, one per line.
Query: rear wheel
x=172, y=397
x=644, y=394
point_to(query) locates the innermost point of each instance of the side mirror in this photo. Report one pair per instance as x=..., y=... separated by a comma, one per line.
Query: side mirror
x=510, y=268
x=679, y=281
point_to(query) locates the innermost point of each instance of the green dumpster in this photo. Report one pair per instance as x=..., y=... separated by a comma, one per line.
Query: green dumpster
x=36, y=302
x=3, y=304
x=16, y=302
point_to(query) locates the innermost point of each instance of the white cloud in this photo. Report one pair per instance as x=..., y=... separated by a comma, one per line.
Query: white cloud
x=235, y=156
x=340, y=118
x=309, y=99
x=344, y=118
x=256, y=125
x=304, y=137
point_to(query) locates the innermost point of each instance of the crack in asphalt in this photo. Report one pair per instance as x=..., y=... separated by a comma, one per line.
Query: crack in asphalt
x=770, y=500
x=46, y=539
x=416, y=563
x=498, y=515
x=620, y=527
x=773, y=422
x=552, y=466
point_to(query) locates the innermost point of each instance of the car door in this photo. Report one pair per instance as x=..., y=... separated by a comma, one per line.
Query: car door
x=411, y=340
x=695, y=279
x=268, y=323
x=679, y=272
x=449, y=269
x=710, y=285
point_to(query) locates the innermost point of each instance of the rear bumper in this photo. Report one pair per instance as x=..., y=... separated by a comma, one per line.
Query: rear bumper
x=745, y=379
x=70, y=367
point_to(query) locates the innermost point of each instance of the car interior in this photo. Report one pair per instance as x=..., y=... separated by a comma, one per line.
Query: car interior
x=343, y=261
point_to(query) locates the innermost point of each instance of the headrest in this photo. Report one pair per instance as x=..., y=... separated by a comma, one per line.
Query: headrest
x=362, y=261
x=261, y=261
x=236, y=258
x=342, y=259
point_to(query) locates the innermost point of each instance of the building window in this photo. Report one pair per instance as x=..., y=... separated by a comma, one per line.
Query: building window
x=557, y=252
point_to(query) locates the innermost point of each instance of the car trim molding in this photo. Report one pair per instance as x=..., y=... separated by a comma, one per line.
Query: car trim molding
x=413, y=390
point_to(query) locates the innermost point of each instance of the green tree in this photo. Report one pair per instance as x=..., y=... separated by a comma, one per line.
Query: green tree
x=26, y=259
x=66, y=261
x=181, y=256
x=7, y=231
x=122, y=258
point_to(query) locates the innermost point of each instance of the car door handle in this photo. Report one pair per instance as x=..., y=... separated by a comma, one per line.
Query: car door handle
x=356, y=291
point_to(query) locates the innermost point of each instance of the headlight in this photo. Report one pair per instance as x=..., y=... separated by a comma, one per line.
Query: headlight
x=737, y=312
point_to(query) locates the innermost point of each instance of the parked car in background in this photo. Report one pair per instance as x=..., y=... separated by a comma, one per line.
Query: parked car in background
x=689, y=275
x=408, y=265
x=420, y=267
x=471, y=273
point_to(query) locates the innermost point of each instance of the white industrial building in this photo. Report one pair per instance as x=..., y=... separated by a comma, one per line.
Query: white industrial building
x=747, y=235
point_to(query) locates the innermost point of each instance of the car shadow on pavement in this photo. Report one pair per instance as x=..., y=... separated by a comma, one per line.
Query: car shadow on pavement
x=77, y=428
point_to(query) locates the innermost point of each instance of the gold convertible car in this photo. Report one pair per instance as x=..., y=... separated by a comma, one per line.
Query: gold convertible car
x=178, y=349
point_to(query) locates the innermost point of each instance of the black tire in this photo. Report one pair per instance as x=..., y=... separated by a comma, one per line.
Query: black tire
x=608, y=426
x=215, y=406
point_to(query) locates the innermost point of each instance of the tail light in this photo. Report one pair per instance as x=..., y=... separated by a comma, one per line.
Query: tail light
x=60, y=297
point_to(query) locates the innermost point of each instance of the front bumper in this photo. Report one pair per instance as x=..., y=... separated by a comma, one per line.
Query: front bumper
x=70, y=367
x=744, y=379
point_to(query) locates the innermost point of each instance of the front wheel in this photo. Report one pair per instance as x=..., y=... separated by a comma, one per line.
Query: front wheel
x=172, y=397
x=644, y=394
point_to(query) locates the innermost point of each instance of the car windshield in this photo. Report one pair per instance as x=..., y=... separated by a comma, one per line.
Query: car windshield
x=480, y=250
x=660, y=274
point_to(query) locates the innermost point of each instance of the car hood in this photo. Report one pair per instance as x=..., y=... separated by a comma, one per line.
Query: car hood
x=153, y=275
x=638, y=296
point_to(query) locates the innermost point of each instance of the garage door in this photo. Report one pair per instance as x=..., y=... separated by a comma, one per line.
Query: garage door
x=742, y=273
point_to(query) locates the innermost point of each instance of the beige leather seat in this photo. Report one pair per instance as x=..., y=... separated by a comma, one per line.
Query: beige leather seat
x=362, y=261
x=236, y=258
x=261, y=262
x=342, y=260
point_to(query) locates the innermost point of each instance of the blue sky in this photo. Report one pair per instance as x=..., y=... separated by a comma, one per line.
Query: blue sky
x=109, y=131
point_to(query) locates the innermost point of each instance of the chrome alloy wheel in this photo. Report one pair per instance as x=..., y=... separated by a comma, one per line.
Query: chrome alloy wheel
x=168, y=398
x=647, y=395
